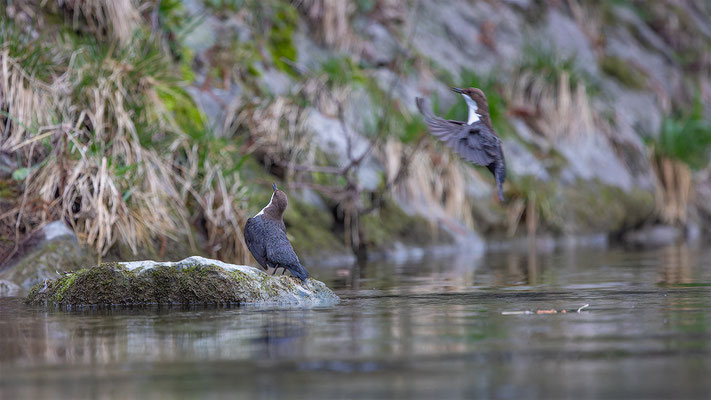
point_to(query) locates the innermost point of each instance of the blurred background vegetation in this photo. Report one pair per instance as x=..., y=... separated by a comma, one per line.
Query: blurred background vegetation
x=154, y=128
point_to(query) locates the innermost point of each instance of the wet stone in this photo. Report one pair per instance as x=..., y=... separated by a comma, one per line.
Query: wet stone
x=8, y=288
x=194, y=280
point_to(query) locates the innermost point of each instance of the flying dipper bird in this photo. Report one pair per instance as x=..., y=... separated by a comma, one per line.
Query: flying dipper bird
x=265, y=234
x=474, y=140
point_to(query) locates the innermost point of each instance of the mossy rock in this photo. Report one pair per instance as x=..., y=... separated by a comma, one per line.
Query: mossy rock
x=311, y=230
x=194, y=280
x=625, y=72
x=389, y=224
x=592, y=206
x=44, y=260
x=583, y=207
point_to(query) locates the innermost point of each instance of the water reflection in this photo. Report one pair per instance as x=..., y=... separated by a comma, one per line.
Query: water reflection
x=429, y=329
x=676, y=264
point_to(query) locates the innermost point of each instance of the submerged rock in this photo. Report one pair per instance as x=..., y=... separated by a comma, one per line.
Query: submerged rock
x=194, y=280
x=8, y=288
x=654, y=236
x=47, y=253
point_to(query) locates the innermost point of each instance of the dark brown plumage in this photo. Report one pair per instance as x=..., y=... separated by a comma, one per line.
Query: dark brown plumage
x=475, y=140
x=265, y=235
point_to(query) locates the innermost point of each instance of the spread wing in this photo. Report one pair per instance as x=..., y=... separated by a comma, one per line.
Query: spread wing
x=253, y=236
x=441, y=128
x=475, y=143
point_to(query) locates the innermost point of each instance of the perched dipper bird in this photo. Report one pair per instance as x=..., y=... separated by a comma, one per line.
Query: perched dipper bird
x=265, y=234
x=474, y=140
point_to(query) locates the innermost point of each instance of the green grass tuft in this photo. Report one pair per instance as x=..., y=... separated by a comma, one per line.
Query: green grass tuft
x=284, y=22
x=342, y=70
x=686, y=138
x=624, y=72
x=548, y=63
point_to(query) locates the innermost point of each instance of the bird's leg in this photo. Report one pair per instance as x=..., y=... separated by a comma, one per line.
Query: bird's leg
x=283, y=271
x=276, y=267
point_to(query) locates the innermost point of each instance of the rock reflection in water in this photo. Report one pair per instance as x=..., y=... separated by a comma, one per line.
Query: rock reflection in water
x=677, y=263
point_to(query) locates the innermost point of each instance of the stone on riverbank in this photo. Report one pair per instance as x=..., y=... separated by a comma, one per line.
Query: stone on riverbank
x=194, y=280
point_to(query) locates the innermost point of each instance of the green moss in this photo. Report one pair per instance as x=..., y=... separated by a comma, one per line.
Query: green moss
x=342, y=70
x=65, y=282
x=583, y=207
x=623, y=72
x=181, y=105
x=246, y=55
x=280, y=40
x=390, y=224
x=114, y=284
x=60, y=254
x=608, y=208
x=591, y=206
x=544, y=194
x=311, y=230
x=9, y=189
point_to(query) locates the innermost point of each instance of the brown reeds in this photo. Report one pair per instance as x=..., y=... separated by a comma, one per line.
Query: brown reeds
x=562, y=110
x=331, y=21
x=277, y=132
x=434, y=182
x=673, y=189
x=113, y=20
x=22, y=96
x=221, y=201
x=116, y=167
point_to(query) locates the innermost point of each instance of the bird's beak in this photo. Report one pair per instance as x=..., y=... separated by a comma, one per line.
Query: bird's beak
x=458, y=90
x=274, y=186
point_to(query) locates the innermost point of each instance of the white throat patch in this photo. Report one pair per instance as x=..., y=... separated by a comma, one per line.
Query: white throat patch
x=473, y=107
x=265, y=207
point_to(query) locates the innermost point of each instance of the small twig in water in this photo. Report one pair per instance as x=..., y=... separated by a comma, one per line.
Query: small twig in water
x=539, y=312
x=583, y=307
x=516, y=312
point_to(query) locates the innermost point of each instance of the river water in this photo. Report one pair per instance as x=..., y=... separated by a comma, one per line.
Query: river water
x=455, y=327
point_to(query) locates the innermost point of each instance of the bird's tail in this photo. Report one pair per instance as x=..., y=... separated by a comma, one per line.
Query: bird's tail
x=299, y=271
x=500, y=176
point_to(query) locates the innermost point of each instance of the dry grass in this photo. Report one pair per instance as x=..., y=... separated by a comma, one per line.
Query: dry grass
x=221, y=203
x=115, y=19
x=22, y=97
x=434, y=181
x=81, y=136
x=278, y=133
x=331, y=21
x=561, y=111
x=589, y=19
x=673, y=189
x=327, y=100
